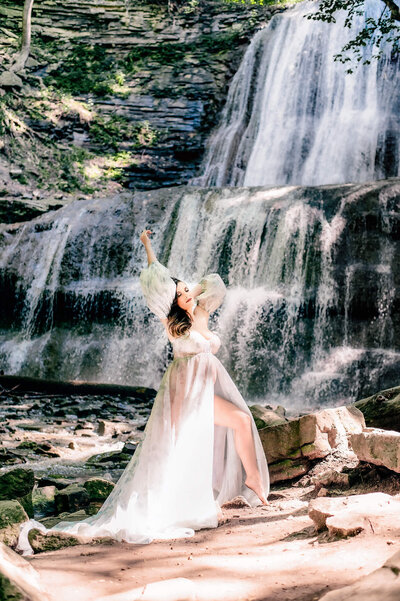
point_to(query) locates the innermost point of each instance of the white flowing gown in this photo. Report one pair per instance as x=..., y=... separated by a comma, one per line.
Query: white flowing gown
x=186, y=467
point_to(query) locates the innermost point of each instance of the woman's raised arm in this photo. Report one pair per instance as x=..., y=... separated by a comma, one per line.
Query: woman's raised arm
x=158, y=287
x=144, y=238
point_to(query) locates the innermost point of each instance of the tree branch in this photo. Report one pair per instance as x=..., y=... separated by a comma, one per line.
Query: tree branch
x=394, y=9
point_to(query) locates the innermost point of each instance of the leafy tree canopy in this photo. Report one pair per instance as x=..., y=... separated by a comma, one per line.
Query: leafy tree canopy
x=376, y=33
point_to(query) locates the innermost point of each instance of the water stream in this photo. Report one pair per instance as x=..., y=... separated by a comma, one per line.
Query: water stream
x=312, y=274
x=293, y=115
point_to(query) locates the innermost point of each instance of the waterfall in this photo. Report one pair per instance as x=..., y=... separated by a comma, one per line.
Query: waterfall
x=312, y=273
x=294, y=116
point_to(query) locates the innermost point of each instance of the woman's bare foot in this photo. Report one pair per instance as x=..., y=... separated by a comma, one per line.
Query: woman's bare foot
x=256, y=486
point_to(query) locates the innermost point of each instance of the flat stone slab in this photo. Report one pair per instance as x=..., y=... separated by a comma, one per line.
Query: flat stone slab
x=347, y=516
x=380, y=447
x=381, y=585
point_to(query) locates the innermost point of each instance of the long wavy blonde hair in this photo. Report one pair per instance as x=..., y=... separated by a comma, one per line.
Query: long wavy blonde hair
x=179, y=320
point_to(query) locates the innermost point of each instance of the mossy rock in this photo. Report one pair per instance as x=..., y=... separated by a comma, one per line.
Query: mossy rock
x=118, y=458
x=7, y=457
x=77, y=516
x=382, y=410
x=9, y=592
x=288, y=470
x=44, y=448
x=12, y=514
x=71, y=499
x=266, y=416
x=18, y=484
x=98, y=488
x=43, y=500
x=51, y=541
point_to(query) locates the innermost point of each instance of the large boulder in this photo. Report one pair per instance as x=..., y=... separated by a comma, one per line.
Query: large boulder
x=98, y=488
x=8, y=79
x=382, y=410
x=43, y=500
x=19, y=581
x=381, y=585
x=18, y=484
x=380, y=447
x=267, y=416
x=12, y=514
x=71, y=499
x=291, y=447
x=347, y=516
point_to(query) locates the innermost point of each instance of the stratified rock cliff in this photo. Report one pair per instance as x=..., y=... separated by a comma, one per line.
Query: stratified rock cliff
x=138, y=84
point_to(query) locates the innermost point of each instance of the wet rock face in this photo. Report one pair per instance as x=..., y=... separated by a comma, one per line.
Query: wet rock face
x=311, y=315
x=71, y=498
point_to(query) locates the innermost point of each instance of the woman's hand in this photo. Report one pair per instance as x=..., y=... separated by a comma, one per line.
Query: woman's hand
x=144, y=236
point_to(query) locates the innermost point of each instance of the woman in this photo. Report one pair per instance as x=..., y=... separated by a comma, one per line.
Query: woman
x=201, y=447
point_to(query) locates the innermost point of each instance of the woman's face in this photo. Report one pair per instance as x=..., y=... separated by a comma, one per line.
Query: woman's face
x=185, y=301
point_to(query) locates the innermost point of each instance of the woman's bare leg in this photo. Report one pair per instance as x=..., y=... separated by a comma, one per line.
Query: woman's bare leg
x=228, y=415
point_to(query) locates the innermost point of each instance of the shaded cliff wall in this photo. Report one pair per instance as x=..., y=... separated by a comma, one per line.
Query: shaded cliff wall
x=152, y=81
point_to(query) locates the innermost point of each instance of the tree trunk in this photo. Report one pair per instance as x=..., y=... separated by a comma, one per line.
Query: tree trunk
x=394, y=9
x=26, y=37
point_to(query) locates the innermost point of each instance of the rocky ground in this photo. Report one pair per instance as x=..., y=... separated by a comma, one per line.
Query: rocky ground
x=71, y=435
x=332, y=519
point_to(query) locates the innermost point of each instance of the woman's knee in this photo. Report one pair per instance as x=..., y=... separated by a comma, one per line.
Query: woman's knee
x=227, y=414
x=242, y=420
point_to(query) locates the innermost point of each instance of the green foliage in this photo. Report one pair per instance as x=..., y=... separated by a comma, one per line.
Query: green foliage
x=262, y=2
x=172, y=53
x=83, y=72
x=376, y=33
x=65, y=168
x=109, y=131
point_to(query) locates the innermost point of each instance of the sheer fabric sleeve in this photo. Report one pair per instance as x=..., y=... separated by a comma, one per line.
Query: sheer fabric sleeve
x=158, y=288
x=213, y=292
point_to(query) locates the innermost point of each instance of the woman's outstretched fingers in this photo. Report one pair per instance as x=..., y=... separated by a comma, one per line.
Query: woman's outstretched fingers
x=144, y=236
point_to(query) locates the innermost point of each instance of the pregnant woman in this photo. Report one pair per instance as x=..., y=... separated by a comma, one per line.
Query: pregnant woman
x=201, y=447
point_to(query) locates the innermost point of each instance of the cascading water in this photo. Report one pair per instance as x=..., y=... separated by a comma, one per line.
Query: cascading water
x=293, y=115
x=312, y=274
